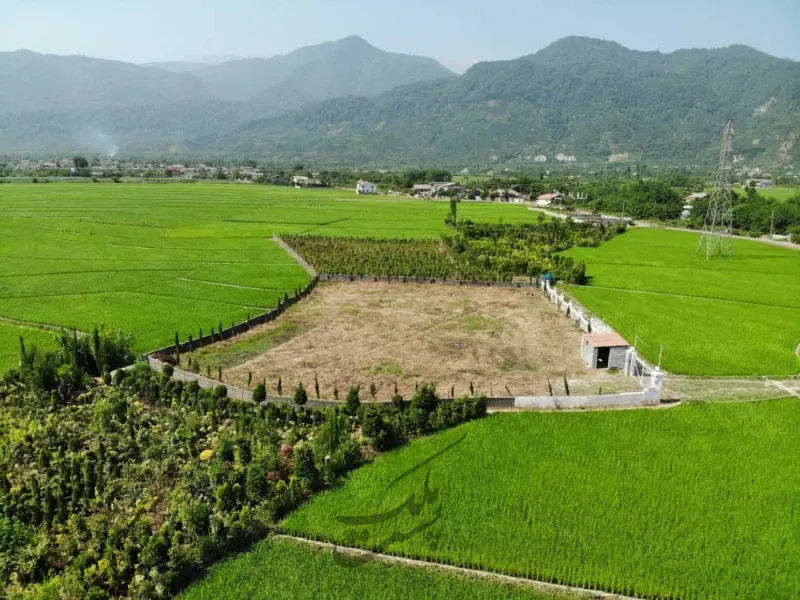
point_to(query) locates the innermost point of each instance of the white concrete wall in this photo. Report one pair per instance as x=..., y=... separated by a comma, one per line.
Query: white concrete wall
x=576, y=402
x=616, y=357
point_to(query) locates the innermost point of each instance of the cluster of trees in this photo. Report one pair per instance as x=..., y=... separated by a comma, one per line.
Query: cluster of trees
x=369, y=256
x=756, y=216
x=527, y=250
x=64, y=373
x=475, y=252
x=131, y=487
x=640, y=199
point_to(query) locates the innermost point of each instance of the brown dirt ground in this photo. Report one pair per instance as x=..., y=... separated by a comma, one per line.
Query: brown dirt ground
x=507, y=342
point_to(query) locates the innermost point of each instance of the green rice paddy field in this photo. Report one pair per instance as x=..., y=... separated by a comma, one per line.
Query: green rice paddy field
x=737, y=315
x=701, y=501
x=156, y=259
x=284, y=570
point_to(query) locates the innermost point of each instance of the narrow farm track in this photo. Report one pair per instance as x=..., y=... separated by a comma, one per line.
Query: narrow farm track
x=541, y=586
x=230, y=285
x=690, y=296
x=33, y=324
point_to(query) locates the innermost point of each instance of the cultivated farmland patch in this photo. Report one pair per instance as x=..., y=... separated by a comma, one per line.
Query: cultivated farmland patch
x=725, y=316
x=693, y=502
x=159, y=259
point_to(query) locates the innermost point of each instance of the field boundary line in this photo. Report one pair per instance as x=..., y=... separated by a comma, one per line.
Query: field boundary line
x=542, y=586
x=231, y=285
x=293, y=253
x=690, y=296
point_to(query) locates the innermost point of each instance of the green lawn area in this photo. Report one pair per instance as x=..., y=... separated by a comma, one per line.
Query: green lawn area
x=697, y=501
x=156, y=259
x=724, y=316
x=279, y=569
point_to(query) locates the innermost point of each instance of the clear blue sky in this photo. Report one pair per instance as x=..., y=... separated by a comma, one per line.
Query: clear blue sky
x=455, y=32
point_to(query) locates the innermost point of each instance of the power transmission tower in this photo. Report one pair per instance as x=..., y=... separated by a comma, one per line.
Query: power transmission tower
x=717, y=230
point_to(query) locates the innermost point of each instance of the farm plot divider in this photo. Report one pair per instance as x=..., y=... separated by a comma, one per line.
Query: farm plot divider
x=401, y=279
x=225, y=334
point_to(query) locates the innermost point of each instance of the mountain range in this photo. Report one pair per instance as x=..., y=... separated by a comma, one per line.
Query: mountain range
x=347, y=102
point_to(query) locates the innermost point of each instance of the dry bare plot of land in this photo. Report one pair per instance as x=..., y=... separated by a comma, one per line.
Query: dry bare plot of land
x=506, y=342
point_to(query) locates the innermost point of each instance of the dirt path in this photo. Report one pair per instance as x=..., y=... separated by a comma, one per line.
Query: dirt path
x=784, y=388
x=291, y=252
x=541, y=586
x=651, y=225
x=34, y=324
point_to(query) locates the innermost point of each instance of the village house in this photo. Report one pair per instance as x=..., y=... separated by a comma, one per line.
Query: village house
x=545, y=200
x=301, y=181
x=366, y=187
x=422, y=190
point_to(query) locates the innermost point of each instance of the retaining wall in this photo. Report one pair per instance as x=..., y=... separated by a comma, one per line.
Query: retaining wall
x=648, y=397
x=233, y=391
x=586, y=321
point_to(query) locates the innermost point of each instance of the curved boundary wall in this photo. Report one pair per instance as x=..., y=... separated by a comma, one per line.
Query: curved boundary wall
x=651, y=396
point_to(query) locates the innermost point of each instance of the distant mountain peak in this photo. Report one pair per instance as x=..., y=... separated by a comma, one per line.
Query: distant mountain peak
x=354, y=40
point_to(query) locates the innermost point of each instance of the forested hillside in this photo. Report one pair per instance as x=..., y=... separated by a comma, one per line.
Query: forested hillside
x=589, y=99
x=54, y=103
x=581, y=97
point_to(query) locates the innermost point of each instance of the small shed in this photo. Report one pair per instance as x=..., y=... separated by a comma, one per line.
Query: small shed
x=604, y=350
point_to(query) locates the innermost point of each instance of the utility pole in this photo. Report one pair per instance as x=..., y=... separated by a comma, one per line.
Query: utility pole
x=717, y=229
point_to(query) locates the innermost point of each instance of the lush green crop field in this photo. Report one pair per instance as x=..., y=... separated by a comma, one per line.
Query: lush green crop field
x=9, y=342
x=159, y=258
x=698, y=501
x=778, y=193
x=724, y=316
x=278, y=569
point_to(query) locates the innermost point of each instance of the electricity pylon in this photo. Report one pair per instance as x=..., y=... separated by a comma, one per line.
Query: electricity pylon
x=718, y=226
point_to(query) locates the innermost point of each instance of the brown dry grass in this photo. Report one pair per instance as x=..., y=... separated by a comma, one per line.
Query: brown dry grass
x=507, y=342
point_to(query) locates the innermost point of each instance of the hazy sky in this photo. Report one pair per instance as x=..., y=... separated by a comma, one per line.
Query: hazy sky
x=456, y=32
